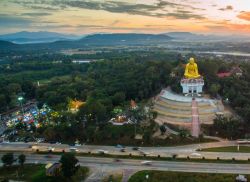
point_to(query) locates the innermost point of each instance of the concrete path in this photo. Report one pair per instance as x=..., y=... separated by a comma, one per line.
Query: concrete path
x=195, y=129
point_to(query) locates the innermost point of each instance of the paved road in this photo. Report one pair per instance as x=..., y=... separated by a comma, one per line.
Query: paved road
x=108, y=164
x=181, y=151
x=101, y=167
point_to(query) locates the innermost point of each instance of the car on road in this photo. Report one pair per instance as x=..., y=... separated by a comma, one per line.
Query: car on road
x=143, y=153
x=147, y=163
x=73, y=149
x=51, y=149
x=196, y=155
x=136, y=148
x=117, y=160
x=120, y=146
x=30, y=146
x=102, y=151
x=34, y=147
x=40, y=140
x=122, y=150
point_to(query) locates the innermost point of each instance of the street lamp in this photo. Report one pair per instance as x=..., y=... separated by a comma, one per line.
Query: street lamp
x=20, y=99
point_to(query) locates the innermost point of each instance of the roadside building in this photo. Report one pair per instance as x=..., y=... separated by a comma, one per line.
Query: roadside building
x=53, y=169
x=241, y=178
x=235, y=71
x=74, y=105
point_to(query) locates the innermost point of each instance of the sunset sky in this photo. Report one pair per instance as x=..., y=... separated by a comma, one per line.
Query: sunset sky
x=136, y=16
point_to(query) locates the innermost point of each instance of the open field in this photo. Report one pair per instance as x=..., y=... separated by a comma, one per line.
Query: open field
x=162, y=176
x=36, y=173
x=244, y=149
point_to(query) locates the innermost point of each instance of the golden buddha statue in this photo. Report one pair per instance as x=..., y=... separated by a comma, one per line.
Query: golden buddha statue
x=191, y=70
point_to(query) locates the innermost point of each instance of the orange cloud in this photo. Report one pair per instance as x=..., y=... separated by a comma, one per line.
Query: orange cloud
x=240, y=27
x=244, y=15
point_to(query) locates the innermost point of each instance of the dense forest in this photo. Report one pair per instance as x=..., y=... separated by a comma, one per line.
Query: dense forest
x=21, y=78
x=102, y=85
x=133, y=74
x=110, y=83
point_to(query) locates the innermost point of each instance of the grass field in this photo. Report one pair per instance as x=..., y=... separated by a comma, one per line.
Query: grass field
x=165, y=176
x=36, y=173
x=113, y=178
x=243, y=149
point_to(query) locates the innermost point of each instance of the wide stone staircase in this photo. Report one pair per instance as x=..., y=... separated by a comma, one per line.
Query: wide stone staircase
x=173, y=112
x=177, y=109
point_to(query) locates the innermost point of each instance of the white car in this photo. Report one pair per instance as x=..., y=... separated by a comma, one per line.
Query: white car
x=196, y=155
x=146, y=162
x=51, y=149
x=34, y=147
x=73, y=149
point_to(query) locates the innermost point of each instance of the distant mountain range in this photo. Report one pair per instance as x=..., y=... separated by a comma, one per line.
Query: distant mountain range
x=94, y=40
x=52, y=40
x=125, y=38
x=187, y=36
x=184, y=35
x=6, y=44
x=25, y=37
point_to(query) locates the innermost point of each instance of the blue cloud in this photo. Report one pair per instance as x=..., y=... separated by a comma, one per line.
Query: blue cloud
x=7, y=20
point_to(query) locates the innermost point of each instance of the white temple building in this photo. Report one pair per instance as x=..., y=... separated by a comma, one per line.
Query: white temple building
x=192, y=86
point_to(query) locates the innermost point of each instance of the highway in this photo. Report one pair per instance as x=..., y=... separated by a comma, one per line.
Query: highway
x=180, y=151
x=101, y=167
x=110, y=164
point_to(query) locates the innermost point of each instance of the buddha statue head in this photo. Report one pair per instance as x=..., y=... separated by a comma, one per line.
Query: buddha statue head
x=191, y=60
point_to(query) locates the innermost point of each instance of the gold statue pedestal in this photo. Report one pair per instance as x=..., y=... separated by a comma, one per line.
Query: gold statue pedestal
x=192, y=86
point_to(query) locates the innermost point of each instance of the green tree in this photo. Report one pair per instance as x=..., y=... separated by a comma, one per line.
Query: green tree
x=229, y=127
x=3, y=102
x=147, y=136
x=29, y=89
x=214, y=89
x=8, y=159
x=163, y=129
x=155, y=114
x=49, y=134
x=118, y=98
x=20, y=126
x=21, y=159
x=94, y=110
x=69, y=161
x=14, y=88
x=183, y=133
